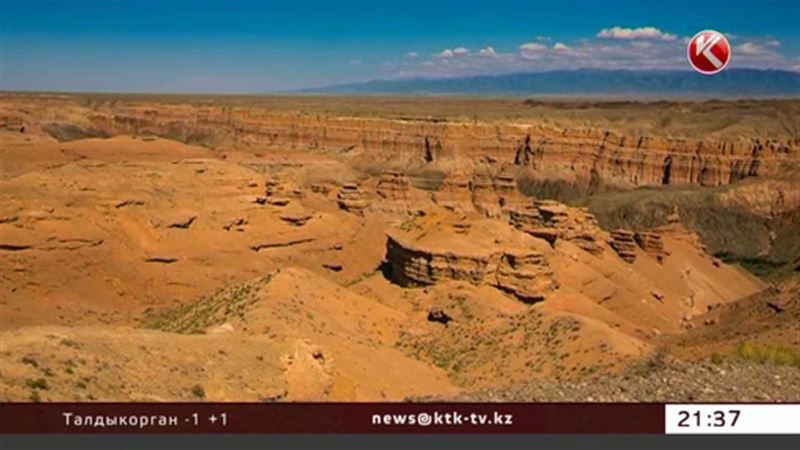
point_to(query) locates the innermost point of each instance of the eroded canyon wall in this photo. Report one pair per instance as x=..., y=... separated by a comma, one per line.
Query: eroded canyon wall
x=582, y=154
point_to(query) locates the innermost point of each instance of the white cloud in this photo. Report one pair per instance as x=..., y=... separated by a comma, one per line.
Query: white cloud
x=412, y=54
x=642, y=44
x=560, y=47
x=772, y=43
x=446, y=53
x=750, y=48
x=533, y=51
x=532, y=47
x=647, y=50
x=635, y=33
x=356, y=62
x=762, y=54
x=452, y=53
x=487, y=52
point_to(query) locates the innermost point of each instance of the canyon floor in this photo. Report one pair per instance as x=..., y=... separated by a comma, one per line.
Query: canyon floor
x=181, y=248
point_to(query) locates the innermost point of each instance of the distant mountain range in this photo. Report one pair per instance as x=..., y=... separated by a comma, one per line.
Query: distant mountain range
x=731, y=82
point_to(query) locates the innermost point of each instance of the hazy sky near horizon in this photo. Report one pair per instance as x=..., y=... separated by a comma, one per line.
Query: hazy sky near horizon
x=247, y=47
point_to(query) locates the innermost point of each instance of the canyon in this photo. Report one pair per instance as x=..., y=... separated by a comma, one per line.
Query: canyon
x=318, y=249
x=577, y=154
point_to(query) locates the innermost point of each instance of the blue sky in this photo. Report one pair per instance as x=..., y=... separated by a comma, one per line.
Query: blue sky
x=149, y=46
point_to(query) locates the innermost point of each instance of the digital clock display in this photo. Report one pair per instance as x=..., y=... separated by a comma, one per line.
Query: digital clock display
x=717, y=418
x=732, y=419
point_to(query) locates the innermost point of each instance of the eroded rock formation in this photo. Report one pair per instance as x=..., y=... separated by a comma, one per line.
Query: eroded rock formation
x=416, y=265
x=351, y=198
x=651, y=243
x=551, y=220
x=279, y=192
x=394, y=194
x=454, y=193
x=676, y=229
x=76, y=232
x=567, y=154
x=518, y=270
x=491, y=194
x=623, y=243
x=527, y=275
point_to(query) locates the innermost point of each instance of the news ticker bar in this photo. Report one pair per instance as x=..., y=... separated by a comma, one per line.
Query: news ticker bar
x=384, y=418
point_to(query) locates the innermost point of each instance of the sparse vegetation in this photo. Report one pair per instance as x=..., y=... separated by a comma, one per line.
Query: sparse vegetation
x=655, y=362
x=196, y=317
x=759, y=267
x=29, y=360
x=198, y=391
x=732, y=233
x=69, y=343
x=768, y=354
x=38, y=383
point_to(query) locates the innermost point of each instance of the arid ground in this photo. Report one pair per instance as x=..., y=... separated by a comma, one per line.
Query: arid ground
x=184, y=248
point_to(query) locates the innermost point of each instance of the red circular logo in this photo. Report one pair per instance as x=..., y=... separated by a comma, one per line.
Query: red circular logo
x=709, y=52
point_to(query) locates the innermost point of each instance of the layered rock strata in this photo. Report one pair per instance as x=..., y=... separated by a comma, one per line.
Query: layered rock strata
x=525, y=273
x=351, y=198
x=588, y=154
x=677, y=230
x=454, y=193
x=623, y=243
x=493, y=193
x=551, y=220
x=396, y=195
x=651, y=243
x=279, y=193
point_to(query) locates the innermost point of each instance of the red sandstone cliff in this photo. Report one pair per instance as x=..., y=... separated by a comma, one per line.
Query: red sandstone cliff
x=582, y=155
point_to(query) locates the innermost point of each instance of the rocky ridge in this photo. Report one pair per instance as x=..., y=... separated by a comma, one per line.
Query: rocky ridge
x=587, y=154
